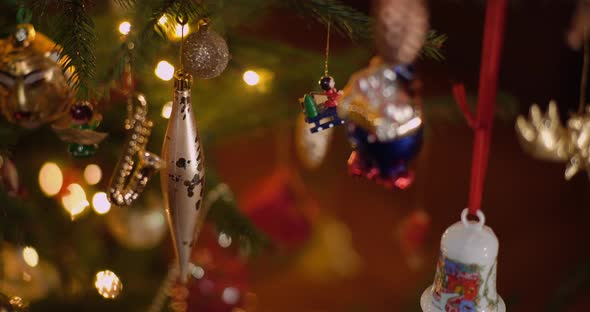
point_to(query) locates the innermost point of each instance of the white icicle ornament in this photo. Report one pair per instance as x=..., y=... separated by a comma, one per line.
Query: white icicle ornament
x=183, y=176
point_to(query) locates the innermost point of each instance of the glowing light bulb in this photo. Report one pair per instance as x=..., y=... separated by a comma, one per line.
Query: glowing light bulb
x=179, y=30
x=108, y=284
x=92, y=174
x=75, y=202
x=164, y=70
x=50, y=179
x=30, y=256
x=163, y=19
x=100, y=203
x=251, y=78
x=167, y=110
x=125, y=28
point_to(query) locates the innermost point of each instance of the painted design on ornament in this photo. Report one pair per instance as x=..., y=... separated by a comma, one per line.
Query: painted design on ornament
x=457, y=285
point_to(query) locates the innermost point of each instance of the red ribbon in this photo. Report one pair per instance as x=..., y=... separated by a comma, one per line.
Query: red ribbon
x=488, y=85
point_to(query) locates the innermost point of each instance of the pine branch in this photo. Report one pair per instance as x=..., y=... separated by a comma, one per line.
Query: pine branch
x=346, y=20
x=433, y=45
x=126, y=4
x=73, y=29
x=228, y=219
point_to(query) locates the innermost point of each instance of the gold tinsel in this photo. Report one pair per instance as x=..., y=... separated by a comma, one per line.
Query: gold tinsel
x=401, y=27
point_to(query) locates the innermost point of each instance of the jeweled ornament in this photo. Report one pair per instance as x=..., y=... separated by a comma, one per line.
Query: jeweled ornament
x=205, y=54
x=384, y=125
x=465, y=278
x=33, y=88
x=80, y=133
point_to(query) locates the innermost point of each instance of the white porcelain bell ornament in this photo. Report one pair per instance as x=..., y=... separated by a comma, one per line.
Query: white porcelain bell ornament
x=465, y=278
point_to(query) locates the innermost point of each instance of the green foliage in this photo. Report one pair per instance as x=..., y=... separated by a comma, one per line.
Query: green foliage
x=74, y=30
x=432, y=47
x=346, y=20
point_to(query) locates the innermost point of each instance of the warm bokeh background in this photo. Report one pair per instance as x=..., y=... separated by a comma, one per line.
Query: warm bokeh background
x=540, y=220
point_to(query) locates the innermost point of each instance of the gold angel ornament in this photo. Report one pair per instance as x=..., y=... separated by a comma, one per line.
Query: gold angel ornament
x=544, y=137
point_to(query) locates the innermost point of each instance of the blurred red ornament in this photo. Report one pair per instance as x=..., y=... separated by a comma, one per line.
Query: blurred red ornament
x=280, y=206
x=412, y=233
x=219, y=280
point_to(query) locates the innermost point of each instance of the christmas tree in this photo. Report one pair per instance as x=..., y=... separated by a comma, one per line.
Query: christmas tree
x=91, y=90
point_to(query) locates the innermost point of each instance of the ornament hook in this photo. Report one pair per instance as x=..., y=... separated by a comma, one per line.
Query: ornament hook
x=467, y=223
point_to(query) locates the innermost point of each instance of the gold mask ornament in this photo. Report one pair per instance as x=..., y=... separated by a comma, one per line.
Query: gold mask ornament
x=33, y=88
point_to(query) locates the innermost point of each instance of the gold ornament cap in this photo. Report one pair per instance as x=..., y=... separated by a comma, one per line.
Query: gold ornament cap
x=182, y=80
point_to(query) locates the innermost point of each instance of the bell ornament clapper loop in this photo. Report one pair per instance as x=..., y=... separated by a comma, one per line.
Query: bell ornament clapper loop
x=465, y=278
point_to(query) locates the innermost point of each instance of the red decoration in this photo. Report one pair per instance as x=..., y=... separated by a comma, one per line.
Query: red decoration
x=281, y=208
x=488, y=86
x=223, y=285
x=333, y=96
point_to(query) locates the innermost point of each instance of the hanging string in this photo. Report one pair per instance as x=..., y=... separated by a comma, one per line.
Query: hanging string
x=584, y=79
x=182, y=21
x=488, y=87
x=327, y=47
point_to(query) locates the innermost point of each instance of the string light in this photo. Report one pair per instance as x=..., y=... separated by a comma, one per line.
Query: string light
x=125, y=28
x=167, y=110
x=100, y=203
x=50, y=179
x=164, y=70
x=163, y=19
x=92, y=174
x=30, y=256
x=251, y=78
x=178, y=30
x=108, y=284
x=75, y=201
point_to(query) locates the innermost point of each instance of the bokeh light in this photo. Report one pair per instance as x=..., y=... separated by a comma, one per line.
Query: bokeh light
x=92, y=174
x=251, y=77
x=164, y=70
x=224, y=240
x=75, y=202
x=108, y=284
x=100, y=203
x=125, y=28
x=179, y=30
x=50, y=179
x=167, y=110
x=30, y=256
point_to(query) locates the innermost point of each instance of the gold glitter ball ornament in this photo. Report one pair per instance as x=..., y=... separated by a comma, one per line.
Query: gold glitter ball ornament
x=108, y=284
x=205, y=54
x=33, y=88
